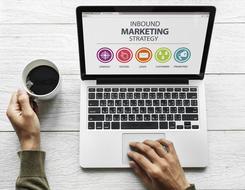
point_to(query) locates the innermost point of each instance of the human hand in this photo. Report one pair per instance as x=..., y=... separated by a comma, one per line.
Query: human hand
x=24, y=120
x=157, y=165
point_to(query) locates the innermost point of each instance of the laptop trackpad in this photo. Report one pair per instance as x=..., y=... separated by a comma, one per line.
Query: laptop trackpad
x=136, y=137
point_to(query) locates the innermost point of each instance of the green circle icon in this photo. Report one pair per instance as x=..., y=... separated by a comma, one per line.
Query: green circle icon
x=163, y=55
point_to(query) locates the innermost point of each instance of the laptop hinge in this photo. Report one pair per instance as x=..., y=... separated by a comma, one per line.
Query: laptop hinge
x=119, y=80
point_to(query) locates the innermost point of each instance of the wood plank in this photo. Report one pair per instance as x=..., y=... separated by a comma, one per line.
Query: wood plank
x=226, y=169
x=21, y=44
x=225, y=103
x=56, y=11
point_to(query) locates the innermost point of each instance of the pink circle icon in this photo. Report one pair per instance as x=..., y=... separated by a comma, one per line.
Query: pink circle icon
x=124, y=55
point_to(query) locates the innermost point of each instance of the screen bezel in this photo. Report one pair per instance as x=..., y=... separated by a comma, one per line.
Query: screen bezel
x=207, y=9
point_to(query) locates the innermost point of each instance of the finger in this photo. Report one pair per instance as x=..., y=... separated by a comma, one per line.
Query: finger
x=169, y=145
x=24, y=102
x=140, y=173
x=146, y=150
x=141, y=160
x=34, y=105
x=12, y=105
x=157, y=147
x=13, y=99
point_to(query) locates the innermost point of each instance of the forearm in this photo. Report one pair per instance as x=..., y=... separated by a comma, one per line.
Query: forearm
x=32, y=173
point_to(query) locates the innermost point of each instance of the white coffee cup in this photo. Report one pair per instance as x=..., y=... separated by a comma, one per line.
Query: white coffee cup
x=30, y=66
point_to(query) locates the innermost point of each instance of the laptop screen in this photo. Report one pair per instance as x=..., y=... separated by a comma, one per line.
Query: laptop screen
x=144, y=43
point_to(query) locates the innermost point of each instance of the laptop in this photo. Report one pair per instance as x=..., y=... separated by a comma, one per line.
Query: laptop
x=142, y=71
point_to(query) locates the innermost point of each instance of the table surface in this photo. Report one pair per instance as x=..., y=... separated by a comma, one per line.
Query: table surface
x=32, y=29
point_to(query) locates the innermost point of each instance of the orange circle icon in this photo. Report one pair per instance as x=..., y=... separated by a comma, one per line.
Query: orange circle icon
x=143, y=55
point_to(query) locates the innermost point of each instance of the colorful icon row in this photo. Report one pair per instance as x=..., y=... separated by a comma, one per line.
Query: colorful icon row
x=143, y=55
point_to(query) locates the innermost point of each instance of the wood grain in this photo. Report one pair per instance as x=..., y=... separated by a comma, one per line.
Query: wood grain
x=57, y=11
x=226, y=169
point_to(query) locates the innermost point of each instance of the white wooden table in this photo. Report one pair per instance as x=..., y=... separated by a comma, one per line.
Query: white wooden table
x=32, y=29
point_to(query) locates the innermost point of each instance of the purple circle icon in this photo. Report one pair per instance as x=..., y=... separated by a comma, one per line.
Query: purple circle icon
x=105, y=55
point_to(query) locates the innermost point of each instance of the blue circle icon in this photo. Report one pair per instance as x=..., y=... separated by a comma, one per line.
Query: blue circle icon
x=182, y=55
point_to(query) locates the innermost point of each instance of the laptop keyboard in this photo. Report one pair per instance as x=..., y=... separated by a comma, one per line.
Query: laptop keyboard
x=143, y=108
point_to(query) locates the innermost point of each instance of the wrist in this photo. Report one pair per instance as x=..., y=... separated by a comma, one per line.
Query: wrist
x=30, y=142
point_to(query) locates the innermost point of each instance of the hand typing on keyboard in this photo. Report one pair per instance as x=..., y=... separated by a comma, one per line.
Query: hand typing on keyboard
x=157, y=165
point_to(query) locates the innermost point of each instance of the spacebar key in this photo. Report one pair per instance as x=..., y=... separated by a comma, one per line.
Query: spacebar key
x=139, y=125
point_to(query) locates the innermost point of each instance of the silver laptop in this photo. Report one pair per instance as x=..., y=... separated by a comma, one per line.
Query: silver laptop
x=142, y=70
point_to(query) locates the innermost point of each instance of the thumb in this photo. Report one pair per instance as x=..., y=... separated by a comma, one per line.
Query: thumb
x=24, y=102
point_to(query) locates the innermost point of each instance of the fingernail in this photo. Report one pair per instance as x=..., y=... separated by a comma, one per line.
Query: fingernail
x=132, y=143
x=129, y=153
x=131, y=164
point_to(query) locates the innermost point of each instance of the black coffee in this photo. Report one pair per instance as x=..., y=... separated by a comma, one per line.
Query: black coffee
x=42, y=80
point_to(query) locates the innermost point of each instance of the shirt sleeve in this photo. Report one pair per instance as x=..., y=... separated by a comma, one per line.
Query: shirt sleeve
x=32, y=173
x=191, y=187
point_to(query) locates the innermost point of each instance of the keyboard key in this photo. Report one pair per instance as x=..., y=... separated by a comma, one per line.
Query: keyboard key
x=167, y=95
x=193, y=89
x=162, y=89
x=178, y=102
x=127, y=109
x=93, y=103
x=107, y=90
x=193, y=102
x=141, y=103
x=99, y=90
x=170, y=89
x=98, y=125
x=146, y=89
x=91, y=89
x=115, y=89
x=159, y=95
x=93, y=110
x=123, y=89
x=150, y=110
x=186, y=102
x=107, y=95
x=114, y=95
x=177, y=117
x=110, y=102
x=91, y=125
x=154, y=117
x=139, y=125
x=175, y=96
x=124, y=117
x=180, y=127
x=164, y=102
x=129, y=95
x=185, y=89
x=165, y=110
x=154, y=89
x=102, y=102
x=112, y=110
x=108, y=117
x=116, y=117
x=91, y=95
x=177, y=89
x=187, y=125
x=139, y=117
x=137, y=95
x=131, y=117
x=118, y=102
x=96, y=117
x=181, y=110
x=144, y=95
x=138, y=89
x=135, y=110
x=156, y=103
x=189, y=117
x=122, y=95
x=172, y=125
x=99, y=95
x=192, y=95
x=119, y=109
x=115, y=125
x=170, y=117
x=125, y=102
x=104, y=109
x=173, y=109
x=171, y=103
x=147, y=117
x=142, y=109
x=130, y=89
x=152, y=95
x=148, y=102
x=182, y=95
x=106, y=125
x=191, y=110
x=158, y=110
x=163, y=125
x=195, y=126
x=162, y=117
x=133, y=102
